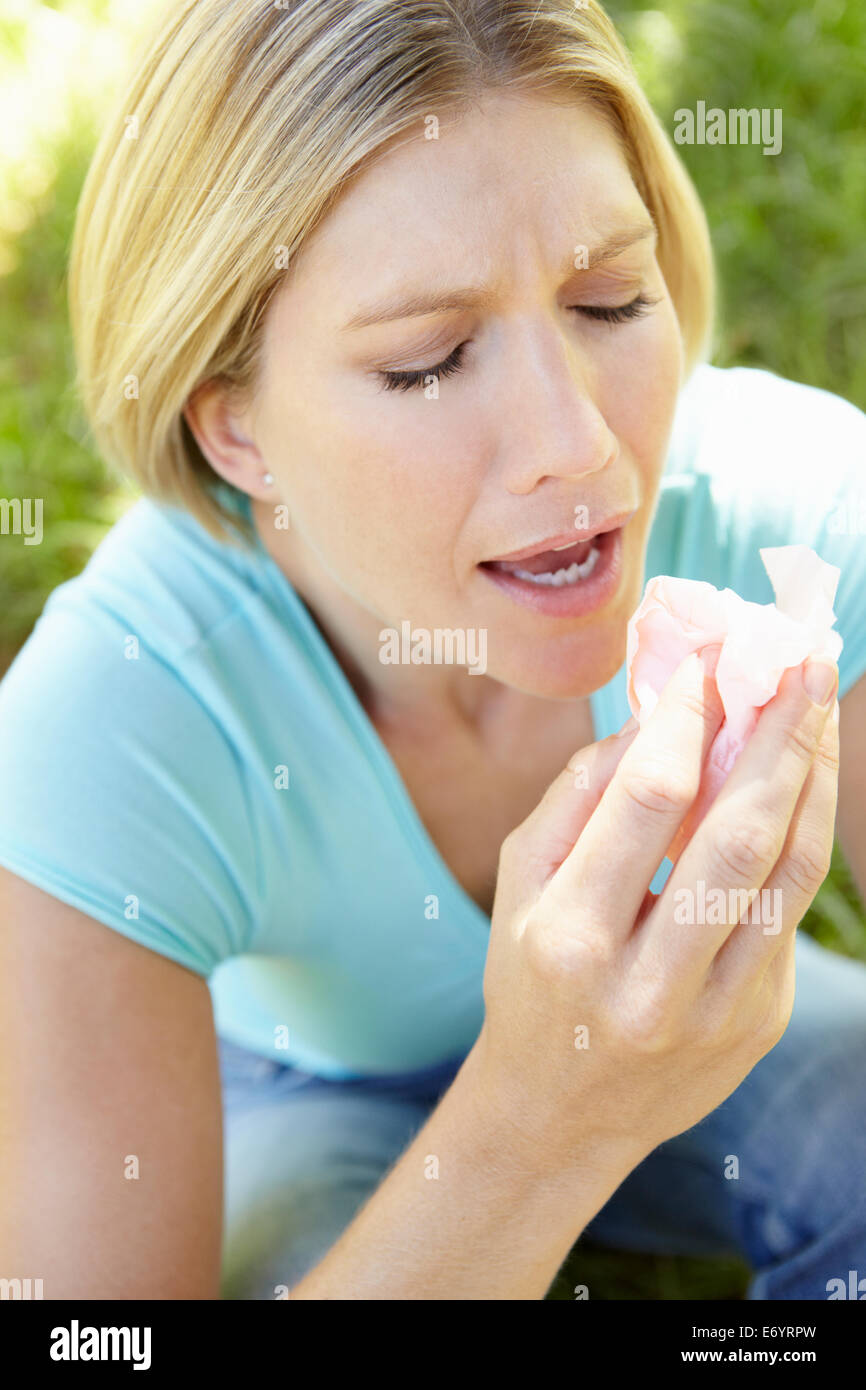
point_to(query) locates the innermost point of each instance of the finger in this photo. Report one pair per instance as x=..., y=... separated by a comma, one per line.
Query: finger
x=646, y=800
x=715, y=772
x=784, y=899
x=549, y=833
x=741, y=838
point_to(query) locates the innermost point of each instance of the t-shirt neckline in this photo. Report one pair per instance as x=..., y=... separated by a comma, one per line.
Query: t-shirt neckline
x=377, y=753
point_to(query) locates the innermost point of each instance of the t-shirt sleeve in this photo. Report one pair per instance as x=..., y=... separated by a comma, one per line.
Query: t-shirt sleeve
x=778, y=463
x=119, y=793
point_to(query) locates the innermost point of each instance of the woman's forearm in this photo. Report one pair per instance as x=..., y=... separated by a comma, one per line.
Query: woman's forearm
x=468, y=1211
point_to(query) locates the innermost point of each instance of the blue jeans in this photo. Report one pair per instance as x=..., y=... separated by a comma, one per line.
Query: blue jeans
x=303, y=1153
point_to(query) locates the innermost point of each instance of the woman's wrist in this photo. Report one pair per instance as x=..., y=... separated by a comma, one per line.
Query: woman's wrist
x=498, y=1221
x=535, y=1142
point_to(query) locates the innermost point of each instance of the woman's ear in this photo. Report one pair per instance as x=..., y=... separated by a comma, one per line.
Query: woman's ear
x=223, y=433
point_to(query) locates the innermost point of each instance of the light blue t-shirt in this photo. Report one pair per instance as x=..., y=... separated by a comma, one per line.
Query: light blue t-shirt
x=167, y=694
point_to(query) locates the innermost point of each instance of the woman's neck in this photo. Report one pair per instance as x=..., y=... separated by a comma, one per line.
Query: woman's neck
x=403, y=694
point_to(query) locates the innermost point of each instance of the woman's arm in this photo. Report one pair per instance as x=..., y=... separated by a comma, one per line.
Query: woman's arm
x=110, y=1113
x=472, y=1210
x=109, y=1068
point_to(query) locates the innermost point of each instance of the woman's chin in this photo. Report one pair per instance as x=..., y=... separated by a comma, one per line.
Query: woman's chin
x=569, y=665
x=568, y=671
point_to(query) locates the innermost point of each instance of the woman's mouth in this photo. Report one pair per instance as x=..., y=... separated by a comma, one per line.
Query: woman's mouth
x=566, y=580
x=555, y=567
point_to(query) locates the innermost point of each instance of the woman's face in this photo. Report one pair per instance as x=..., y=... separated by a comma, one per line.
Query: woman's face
x=515, y=249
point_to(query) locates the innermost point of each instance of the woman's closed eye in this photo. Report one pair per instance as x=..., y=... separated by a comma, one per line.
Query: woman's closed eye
x=405, y=380
x=612, y=313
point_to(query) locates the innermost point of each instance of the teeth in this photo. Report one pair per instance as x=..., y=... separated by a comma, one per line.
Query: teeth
x=557, y=578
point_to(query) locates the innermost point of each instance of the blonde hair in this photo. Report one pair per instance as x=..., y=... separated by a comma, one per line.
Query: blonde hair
x=242, y=123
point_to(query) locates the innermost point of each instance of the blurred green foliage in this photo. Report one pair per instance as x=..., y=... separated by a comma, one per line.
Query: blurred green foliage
x=788, y=233
x=47, y=133
x=788, y=228
x=44, y=450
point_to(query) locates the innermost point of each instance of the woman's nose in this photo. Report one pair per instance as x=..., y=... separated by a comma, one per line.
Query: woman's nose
x=554, y=426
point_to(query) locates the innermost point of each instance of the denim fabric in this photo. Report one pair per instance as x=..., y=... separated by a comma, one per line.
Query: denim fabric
x=304, y=1152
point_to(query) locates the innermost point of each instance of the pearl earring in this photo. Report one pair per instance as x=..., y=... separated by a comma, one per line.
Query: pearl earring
x=267, y=479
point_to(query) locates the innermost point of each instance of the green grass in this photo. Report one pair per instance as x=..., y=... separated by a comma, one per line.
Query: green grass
x=609, y=1274
x=44, y=451
x=788, y=233
x=787, y=229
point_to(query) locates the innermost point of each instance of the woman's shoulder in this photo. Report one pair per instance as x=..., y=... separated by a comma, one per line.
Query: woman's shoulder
x=747, y=423
x=122, y=755
x=159, y=576
x=754, y=460
x=165, y=608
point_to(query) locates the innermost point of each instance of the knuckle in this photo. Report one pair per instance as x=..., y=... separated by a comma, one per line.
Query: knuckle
x=647, y=1027
x=827, y=755
x=773, y=1025
x=699, y=706
x=765, y=1037
x=778, y=1006
x=745, y=850
x=802, y=738
x=807, y=863
x=557, y=955
x=660, y=788
x=546, y=958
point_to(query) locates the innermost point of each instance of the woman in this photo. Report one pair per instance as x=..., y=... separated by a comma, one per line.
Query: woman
x=397, y=315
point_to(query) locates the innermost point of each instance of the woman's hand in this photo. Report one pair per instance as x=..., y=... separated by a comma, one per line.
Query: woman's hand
x=614, y=1019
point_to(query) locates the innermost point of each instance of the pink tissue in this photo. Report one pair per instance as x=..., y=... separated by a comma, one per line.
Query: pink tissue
x=759, y=641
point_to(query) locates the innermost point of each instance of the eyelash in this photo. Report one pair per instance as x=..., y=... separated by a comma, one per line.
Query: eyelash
x=615, y=314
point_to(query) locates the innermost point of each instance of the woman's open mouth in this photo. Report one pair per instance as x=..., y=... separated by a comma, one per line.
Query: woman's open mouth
x=564, y=581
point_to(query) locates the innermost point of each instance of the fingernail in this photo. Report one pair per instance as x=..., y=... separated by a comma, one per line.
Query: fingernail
x=820, y=680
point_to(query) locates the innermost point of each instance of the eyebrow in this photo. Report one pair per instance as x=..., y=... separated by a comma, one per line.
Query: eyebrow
x=414, y=305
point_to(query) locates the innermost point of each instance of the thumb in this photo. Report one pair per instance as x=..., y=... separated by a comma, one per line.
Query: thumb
x=550, y=832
